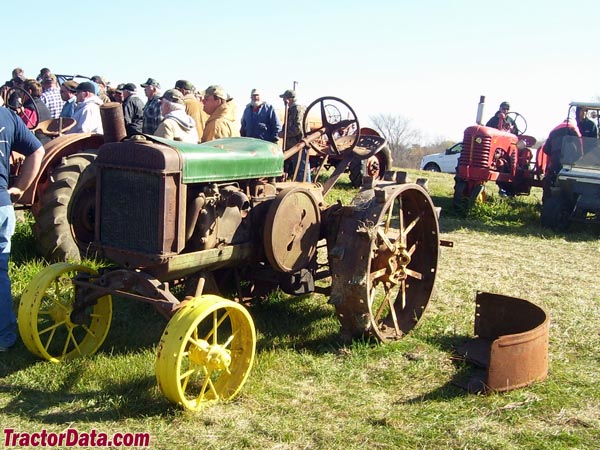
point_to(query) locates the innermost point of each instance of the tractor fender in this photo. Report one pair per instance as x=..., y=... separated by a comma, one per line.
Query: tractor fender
x=57, y=149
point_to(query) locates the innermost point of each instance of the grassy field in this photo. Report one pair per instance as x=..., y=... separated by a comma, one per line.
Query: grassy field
x=308, y=391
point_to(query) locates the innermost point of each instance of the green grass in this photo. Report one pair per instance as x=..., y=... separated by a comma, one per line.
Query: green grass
x=309, y=391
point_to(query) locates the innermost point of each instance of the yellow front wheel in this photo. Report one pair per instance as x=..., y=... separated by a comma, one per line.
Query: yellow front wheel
x=51, y=325
x=206, y=352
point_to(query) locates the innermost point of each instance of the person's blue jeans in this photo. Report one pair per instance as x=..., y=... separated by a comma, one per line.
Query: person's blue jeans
x=8, y=322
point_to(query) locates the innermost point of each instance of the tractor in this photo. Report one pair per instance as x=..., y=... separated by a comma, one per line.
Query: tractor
x=572, y=190
x=490, y=154
x=197, y=230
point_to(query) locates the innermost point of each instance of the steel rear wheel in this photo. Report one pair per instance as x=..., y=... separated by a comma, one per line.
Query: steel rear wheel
x=206, y=352
x=386, y=275
x=51, y=325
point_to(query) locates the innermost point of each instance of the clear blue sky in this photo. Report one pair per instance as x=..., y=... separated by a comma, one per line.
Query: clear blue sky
x=426, y=60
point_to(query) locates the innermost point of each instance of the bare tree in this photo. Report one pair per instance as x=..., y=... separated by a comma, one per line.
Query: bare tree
x=398, y=132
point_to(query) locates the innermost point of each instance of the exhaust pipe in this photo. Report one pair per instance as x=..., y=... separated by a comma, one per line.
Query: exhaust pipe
x=479, y=118
x=113, y=122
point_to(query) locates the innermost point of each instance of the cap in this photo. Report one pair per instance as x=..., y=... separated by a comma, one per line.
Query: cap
x=49, y=77
x=255, y=92
x=86, y=86
x=173, y=95
x=71, y=85
x=129, y=87
x=184, y=84
x=119, y=88
x=217, y=91
x=288, y=94
x=100, y=80
x=150, y=82
x=504, y=105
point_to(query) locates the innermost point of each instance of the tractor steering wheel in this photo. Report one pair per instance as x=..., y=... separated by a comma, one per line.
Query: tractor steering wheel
x=519, y=122
x=338, y=123
x=27, y=95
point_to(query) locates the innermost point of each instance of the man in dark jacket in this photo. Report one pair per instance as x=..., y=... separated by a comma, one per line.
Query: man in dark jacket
x=292, y=134
x=133, y=110
x=502, y=121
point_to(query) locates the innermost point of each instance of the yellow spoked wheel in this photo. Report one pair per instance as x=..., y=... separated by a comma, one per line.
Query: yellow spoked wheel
x=206, y=352
x=51, y=325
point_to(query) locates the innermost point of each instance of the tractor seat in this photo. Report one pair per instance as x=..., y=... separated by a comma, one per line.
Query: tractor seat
x=56, y=127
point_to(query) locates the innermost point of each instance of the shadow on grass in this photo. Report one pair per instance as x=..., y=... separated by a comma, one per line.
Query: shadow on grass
x=296, y=322
x=132, y=399
x=463, y=371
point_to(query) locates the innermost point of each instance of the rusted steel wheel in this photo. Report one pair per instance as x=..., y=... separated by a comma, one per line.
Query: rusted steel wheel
x=384, y=261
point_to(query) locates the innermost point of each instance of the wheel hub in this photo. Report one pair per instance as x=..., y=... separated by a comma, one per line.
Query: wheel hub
x=212, y=356
x=62, y=314
x=395, y=261
x=372, y=168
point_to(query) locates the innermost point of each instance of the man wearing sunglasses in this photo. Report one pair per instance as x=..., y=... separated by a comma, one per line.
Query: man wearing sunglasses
x=502, y=121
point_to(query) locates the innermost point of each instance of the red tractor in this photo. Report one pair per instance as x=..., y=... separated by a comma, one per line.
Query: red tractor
x=490, y=154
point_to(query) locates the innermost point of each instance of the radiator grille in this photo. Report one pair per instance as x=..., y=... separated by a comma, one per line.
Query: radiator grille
x=130, y=219
x=475, y=150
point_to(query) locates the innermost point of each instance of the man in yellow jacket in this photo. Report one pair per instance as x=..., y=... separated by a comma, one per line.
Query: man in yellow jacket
x=221, y=109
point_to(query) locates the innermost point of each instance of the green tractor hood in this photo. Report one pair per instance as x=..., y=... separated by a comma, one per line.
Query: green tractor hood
x=228, y=159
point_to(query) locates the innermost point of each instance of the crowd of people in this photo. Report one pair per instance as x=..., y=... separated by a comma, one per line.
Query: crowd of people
x=180, y=113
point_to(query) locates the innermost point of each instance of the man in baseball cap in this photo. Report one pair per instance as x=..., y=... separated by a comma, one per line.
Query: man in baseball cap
x=298, y=165
x=133, y=110
x=288, y=94
x=502, y=121
x=87, y=110
x=176, y=125
x=67, y=93
x=193, y=106
x=259, y=119
x=152, y=114
x=102, y=85
x=221, y=109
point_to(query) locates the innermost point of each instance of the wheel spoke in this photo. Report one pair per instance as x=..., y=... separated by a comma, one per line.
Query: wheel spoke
x=66, y=346
x=394, y=317
x=383, y=236
x=49, y=339
x=216, y=323
x=75, y=343
x=414, y=274
x=382, y=306
x=377, y=274
x=51, y=327
x=411, y=226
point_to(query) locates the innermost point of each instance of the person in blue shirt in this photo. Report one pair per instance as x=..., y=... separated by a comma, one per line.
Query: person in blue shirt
x=14, y=136
x=260, y=120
